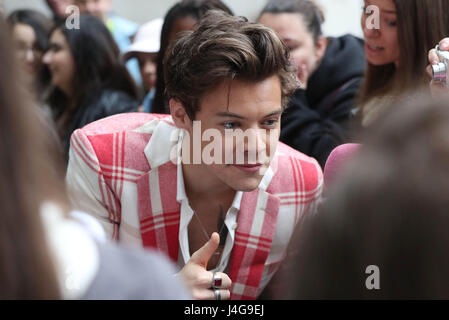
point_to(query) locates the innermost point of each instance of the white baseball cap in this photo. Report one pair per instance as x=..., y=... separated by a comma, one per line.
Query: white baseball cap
x=147, y=38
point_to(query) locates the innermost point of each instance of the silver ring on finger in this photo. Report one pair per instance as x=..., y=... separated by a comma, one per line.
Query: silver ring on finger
x=217, y=294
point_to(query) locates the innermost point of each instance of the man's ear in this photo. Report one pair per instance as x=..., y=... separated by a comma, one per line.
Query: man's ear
x=179, y=115
x=321, y=47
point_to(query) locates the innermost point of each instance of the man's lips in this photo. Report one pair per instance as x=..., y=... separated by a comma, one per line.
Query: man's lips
x=248, y=167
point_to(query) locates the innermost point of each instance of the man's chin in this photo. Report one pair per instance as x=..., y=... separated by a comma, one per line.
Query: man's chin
x=246, y=186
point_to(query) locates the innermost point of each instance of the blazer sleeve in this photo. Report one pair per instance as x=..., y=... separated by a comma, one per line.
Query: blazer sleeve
x=87, y=186
x=312, y=179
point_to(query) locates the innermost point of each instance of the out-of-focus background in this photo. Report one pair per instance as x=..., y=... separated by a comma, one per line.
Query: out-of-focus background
x=342, y=16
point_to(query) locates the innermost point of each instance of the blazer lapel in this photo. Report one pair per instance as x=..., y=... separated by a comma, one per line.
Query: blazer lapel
x=256, y=225
x=159, y=212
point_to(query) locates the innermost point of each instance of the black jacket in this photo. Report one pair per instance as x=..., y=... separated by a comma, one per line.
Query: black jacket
x=317, y=119
x=104, y=104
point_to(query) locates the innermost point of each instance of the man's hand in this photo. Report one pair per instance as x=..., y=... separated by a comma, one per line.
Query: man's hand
x=199, y=279
x=437, y=87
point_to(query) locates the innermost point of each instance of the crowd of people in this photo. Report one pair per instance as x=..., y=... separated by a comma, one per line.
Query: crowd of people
x=233, y=159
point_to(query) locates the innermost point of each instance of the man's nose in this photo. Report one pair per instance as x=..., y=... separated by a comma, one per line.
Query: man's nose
x=255, y=144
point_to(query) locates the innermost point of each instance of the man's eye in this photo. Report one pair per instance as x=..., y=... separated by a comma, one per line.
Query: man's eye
x=229, y=125
x=270, y=123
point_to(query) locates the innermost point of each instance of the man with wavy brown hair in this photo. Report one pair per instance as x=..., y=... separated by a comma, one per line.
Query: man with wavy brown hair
x=208, y=185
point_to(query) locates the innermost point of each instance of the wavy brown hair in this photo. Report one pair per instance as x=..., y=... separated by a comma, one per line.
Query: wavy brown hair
x=223, y=48
x=31, y=174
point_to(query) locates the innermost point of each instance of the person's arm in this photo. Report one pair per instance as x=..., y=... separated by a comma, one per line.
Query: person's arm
x=87, y=188
x=134, y=274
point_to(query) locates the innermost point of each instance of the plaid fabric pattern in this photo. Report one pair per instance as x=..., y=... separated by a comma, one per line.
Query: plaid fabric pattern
x=120, y=172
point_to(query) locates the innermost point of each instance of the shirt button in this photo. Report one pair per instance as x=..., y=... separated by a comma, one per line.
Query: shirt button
x=234, y=226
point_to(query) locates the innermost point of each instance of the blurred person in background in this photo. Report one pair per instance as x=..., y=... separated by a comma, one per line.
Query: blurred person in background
x=30, y=31
x=122, y=29
x=183, y=16
x=90, y=81
x=59, y=9
x=2, y=9
x=382, y=232
x=397, y=50
x=145, y=48
x=43, y=253
x=318, y=117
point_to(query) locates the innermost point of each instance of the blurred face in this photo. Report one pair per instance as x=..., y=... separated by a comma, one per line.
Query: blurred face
x=59, y=7
x=98, y=8
x=293, y=31
x=148, y=68
x=238, y=106
x=60, y=62
x=381, y=45
x=27, y=51
x=182, y=24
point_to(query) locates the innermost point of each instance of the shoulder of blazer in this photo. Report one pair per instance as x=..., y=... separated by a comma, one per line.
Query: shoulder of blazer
x=119, y=141
x=120, y=123
x=295, y=171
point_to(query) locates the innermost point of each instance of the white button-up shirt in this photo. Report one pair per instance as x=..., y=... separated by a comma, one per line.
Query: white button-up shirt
x=187, y=215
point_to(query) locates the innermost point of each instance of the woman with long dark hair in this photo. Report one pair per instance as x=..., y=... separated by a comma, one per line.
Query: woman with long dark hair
x=90, y=81
x=183, y=16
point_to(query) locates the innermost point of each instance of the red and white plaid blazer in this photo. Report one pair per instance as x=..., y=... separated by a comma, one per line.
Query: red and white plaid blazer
x=120, y=171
